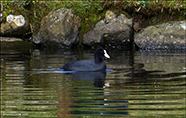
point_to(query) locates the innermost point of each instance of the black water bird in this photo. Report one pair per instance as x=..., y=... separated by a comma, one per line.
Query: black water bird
x=97, y=64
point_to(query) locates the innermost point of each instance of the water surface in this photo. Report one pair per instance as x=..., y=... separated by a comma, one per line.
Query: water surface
x=141, y=84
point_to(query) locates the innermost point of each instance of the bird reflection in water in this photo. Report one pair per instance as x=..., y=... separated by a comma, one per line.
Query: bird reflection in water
x=91, y=100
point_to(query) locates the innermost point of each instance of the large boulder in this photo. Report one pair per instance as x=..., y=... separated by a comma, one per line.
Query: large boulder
x=167, y=36
x=15, y=26
x=112, y=31
x=58, y=28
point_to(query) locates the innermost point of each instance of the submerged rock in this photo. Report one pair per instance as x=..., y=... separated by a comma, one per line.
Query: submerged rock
x=167, y=36
x=59, y=28
x=112, y=31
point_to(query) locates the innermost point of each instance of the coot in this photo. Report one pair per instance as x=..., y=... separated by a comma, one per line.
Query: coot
x=97, y=64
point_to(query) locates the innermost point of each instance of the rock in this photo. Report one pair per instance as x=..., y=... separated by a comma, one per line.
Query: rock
x=15, y=26
x=59, y=28
x=9, y=39
x=1, y=17
x=112, y=31
x=167, y=36
x=1, y=13
x=14, y=43
x=18, y=20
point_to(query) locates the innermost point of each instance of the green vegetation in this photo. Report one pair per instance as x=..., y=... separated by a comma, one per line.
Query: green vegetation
x=91, y=12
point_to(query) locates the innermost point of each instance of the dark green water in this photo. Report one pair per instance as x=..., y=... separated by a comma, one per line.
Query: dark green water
x=141, y=85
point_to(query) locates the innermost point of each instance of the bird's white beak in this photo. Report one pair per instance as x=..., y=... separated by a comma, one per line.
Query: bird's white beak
x=105, y=54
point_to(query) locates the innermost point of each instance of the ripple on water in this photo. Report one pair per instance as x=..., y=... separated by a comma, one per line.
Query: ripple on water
x=148, y=85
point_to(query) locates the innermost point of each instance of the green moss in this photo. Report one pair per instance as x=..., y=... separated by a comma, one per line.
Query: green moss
x=91, y=12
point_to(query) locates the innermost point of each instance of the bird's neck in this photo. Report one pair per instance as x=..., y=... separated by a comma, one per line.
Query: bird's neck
x=98, y=59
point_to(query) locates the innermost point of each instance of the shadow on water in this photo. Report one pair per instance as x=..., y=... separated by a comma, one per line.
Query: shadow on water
x=136, y=84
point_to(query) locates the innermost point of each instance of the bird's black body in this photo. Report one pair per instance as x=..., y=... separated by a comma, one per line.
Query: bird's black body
x=97, y=64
